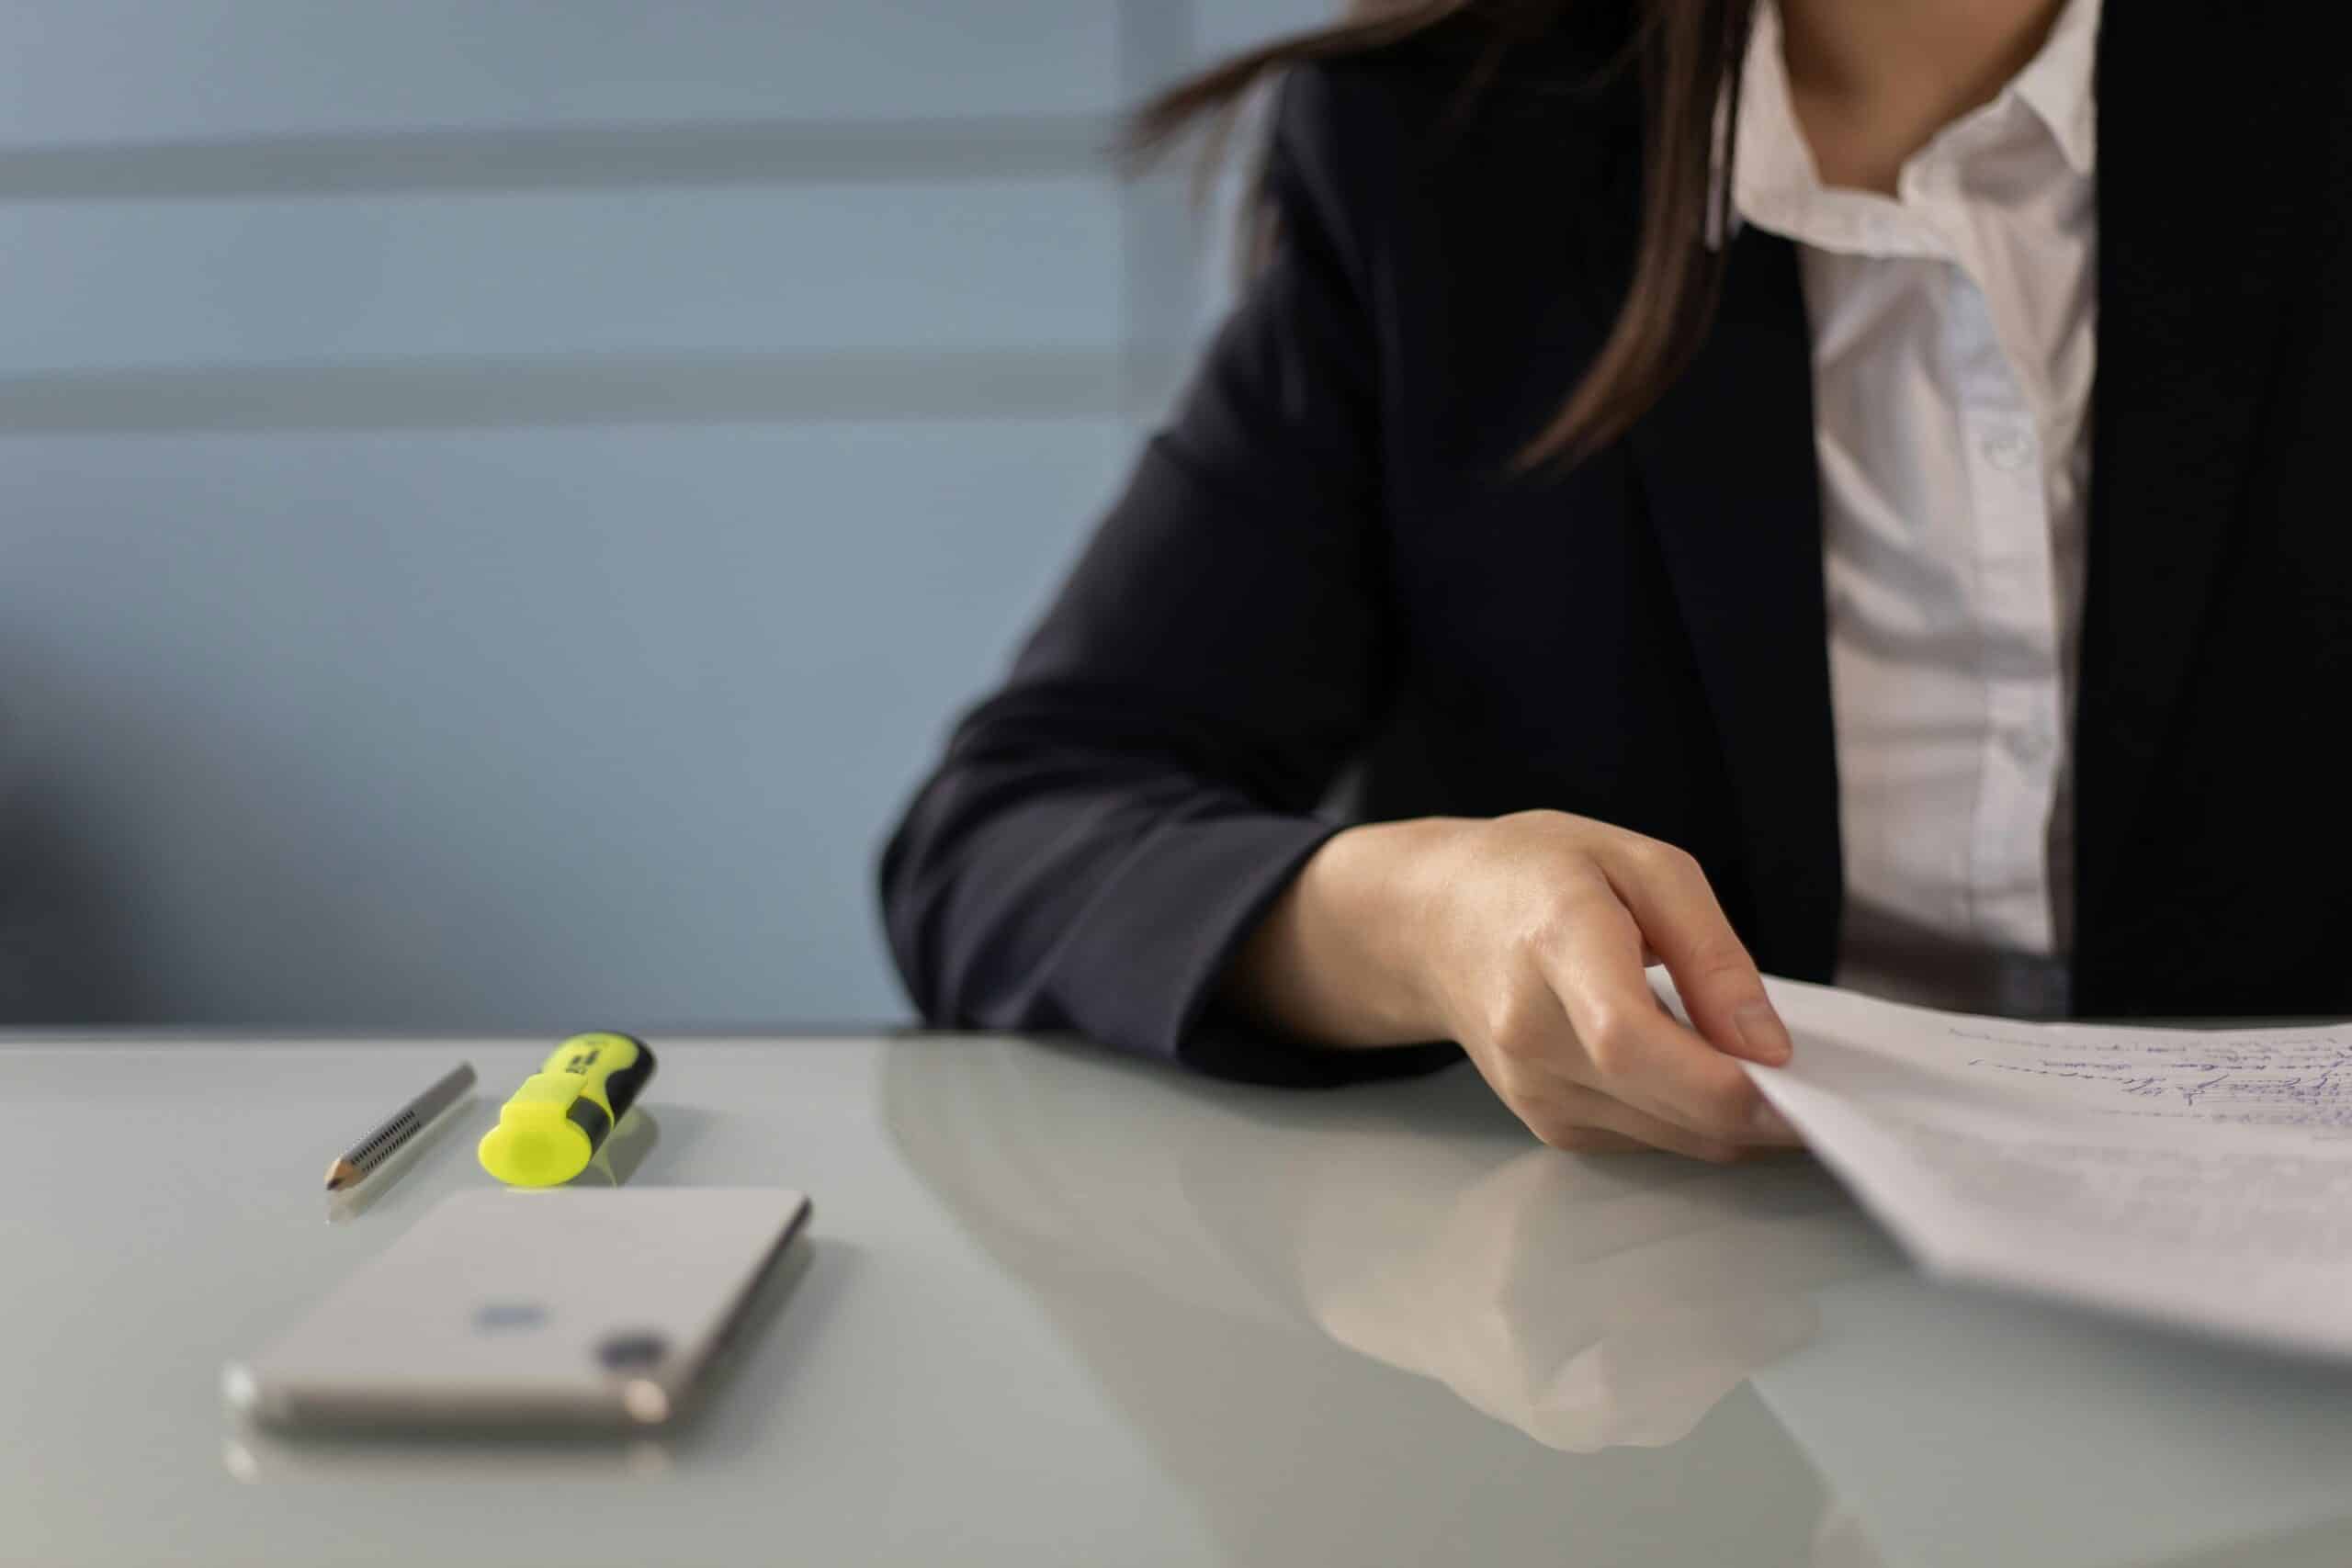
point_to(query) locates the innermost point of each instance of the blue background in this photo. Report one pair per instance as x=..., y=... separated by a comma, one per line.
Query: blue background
x=502, y=497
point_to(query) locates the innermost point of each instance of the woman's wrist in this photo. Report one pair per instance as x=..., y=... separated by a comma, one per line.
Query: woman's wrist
x=1341, y=958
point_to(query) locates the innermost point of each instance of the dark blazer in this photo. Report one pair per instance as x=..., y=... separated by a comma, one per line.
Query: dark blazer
x=1320, y=576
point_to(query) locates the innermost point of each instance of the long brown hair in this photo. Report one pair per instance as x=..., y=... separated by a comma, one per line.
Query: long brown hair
x=1688, y=54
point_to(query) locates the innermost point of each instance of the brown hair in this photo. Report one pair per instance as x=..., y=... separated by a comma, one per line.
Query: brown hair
x=1688, y=54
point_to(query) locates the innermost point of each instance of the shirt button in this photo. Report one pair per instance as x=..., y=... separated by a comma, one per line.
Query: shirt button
x=2009, y=450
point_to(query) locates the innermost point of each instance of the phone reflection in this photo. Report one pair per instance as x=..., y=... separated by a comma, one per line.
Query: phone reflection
x=260, y=1457
x=1590, y=1302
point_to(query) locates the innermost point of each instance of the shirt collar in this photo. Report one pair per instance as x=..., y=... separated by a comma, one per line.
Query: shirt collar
x=1773, y=166
x=2057, y=84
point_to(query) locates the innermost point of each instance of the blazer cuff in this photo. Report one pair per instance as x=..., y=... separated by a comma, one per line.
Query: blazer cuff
x=1142, y=968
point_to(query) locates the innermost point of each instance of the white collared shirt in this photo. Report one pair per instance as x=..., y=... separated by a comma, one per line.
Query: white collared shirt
x=1952, y=350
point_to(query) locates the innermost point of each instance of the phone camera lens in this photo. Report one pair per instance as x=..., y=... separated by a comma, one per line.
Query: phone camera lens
x=493, y=1316
x=632, y=1351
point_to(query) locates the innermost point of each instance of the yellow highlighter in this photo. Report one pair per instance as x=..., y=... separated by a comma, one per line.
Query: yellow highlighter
x=552, y=1128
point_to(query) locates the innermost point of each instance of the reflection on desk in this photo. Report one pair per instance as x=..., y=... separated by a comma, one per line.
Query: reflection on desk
x=258, y=1457
x=619, y=1159
x=1589, y=1301
x=1591, y=1304
x=623, y=1153
x=1596, y=1301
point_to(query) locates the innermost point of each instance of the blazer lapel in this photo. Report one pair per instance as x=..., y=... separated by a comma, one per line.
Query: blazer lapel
x=2199, y=218
x=1727, y=467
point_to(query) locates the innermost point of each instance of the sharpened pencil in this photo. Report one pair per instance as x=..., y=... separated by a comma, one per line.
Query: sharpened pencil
x=404, y=1125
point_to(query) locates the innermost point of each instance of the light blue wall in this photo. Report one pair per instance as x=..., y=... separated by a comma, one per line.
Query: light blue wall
x=498, y=499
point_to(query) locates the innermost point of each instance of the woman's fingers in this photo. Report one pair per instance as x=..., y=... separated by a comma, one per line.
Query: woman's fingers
x=1539, y=927
x=1637, y=1053
x=1682, y=921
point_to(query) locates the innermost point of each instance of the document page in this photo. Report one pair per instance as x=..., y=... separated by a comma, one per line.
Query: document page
x=2197, y=1176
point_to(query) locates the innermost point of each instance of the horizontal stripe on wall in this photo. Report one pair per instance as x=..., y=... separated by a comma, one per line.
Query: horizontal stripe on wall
x=102, y=72
x=569, y=158
x=985, y=384
x=1034, y=264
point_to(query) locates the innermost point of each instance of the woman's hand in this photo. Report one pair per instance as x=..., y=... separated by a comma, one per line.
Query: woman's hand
x=1524, y=938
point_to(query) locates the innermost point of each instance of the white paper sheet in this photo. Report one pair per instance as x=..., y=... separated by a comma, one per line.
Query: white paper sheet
x=2201, y=1177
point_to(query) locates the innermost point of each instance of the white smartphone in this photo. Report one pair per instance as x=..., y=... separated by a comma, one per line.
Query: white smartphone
x=569, y=1309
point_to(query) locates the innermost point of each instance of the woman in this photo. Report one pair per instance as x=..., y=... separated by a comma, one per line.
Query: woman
x=1830, y=627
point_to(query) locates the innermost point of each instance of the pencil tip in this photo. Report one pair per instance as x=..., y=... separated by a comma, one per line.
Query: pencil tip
x=339, y=1175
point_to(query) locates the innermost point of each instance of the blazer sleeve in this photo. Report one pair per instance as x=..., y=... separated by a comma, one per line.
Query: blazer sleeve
x=1106, y=829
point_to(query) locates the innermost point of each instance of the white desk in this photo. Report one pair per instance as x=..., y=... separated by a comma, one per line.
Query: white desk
x=1063, y=1309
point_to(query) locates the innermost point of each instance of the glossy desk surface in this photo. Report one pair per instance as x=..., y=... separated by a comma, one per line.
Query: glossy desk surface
x=1064, y=1309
